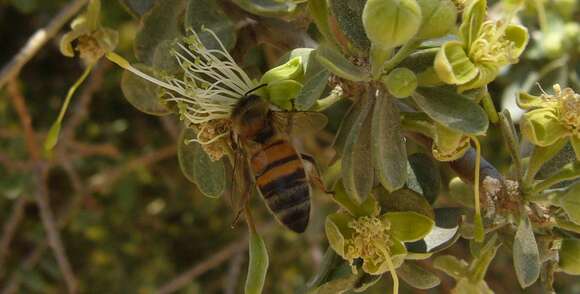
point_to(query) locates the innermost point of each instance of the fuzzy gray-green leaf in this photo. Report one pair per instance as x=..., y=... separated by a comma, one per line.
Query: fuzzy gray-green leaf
x=142, y=94
x=452, y=110
x=526, y=255
x=340, y=66
x=257, y=266
x=197, y=166
x=348, y=15
x=208, y=14
x=388, y=146
x=357, y=161
x=417, y=277
x=161, y=22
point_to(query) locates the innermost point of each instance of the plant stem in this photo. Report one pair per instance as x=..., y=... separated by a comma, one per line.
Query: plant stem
x=401, y=54
x=478, y=222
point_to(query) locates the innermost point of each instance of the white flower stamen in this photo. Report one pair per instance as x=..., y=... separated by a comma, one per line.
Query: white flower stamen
x=210, y=87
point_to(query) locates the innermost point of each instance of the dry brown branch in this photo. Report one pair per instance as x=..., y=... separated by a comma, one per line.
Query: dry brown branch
x=213, y=261
x=9, y=230
x=80, y=149
x=22, y=110
x=233, y=276
x=38, y=39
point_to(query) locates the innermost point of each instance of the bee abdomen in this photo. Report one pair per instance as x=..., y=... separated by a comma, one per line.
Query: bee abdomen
x=288, y=196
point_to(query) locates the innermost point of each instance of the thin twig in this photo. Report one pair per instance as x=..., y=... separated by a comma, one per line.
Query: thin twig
x=22, y=110
x=213, y=261
x=38, y=39
x=235, y=268
x=48, y=222
x=9, y=230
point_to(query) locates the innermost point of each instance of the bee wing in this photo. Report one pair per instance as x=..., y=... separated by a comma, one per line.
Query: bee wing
x=299, y=124
x=241, y=184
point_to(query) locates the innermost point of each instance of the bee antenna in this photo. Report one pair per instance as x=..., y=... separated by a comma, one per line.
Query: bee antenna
x=254, y=89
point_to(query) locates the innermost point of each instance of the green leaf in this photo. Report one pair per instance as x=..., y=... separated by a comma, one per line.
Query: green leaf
x=208, y=14
x=349, y=19
x=541, y=155
x=369, y=207
x=365, y=281
x=319, y=11
x=451, y=266
x=408, y=226
x=138, y=7
x=142, y=94
x=162, y=22
x=444, y=233
x=315, y=81
x=570, y=171
x=465, y=285
x=479, y=266
x=570, y=256
x=426, y=174
x=338, y=65
x=271, y=8
x=257, y=266
x=197, y=166
x=389, y=153
x=357, y=161
x=570, y=202
x=438, y=18
x=526, y=255
x=417, y=277
x=404, y=200
x=329, y=263
x=52, y=136
x=452, y=110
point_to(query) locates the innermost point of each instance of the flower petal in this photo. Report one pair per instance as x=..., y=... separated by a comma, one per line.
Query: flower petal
x=542, y=127
x=408, y=226
x=452, y=64
x=336, y=228
x=473, y=18
x=519, y=36
x=528, y=101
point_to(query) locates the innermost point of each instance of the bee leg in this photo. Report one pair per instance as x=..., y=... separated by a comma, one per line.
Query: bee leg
x=313, y=175
x=246, y=197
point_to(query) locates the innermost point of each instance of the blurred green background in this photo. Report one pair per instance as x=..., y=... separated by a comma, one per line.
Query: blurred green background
x=129, y=220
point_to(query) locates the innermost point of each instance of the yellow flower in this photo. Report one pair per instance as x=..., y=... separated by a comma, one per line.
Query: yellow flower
x=552, y=117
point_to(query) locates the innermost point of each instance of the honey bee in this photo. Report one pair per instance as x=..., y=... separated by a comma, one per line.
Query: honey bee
x=266, y=156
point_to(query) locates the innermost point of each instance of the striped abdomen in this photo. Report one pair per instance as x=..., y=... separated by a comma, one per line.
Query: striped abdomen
x=281, y=178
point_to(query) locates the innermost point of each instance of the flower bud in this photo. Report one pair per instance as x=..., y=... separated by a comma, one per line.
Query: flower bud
x=542, y=127
x=291, y=70
x=401, y=82
x=570, y=256
x=391, y=23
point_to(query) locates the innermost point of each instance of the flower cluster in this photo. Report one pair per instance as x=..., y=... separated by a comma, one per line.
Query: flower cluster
x=483, y=49
x=552, y=117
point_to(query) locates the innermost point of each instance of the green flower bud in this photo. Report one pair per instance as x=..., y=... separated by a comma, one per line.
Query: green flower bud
x=391, y=23
x=570, y=256
x=281, y=93
x=439, y=17
x=291, y=70
x=401, y=82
